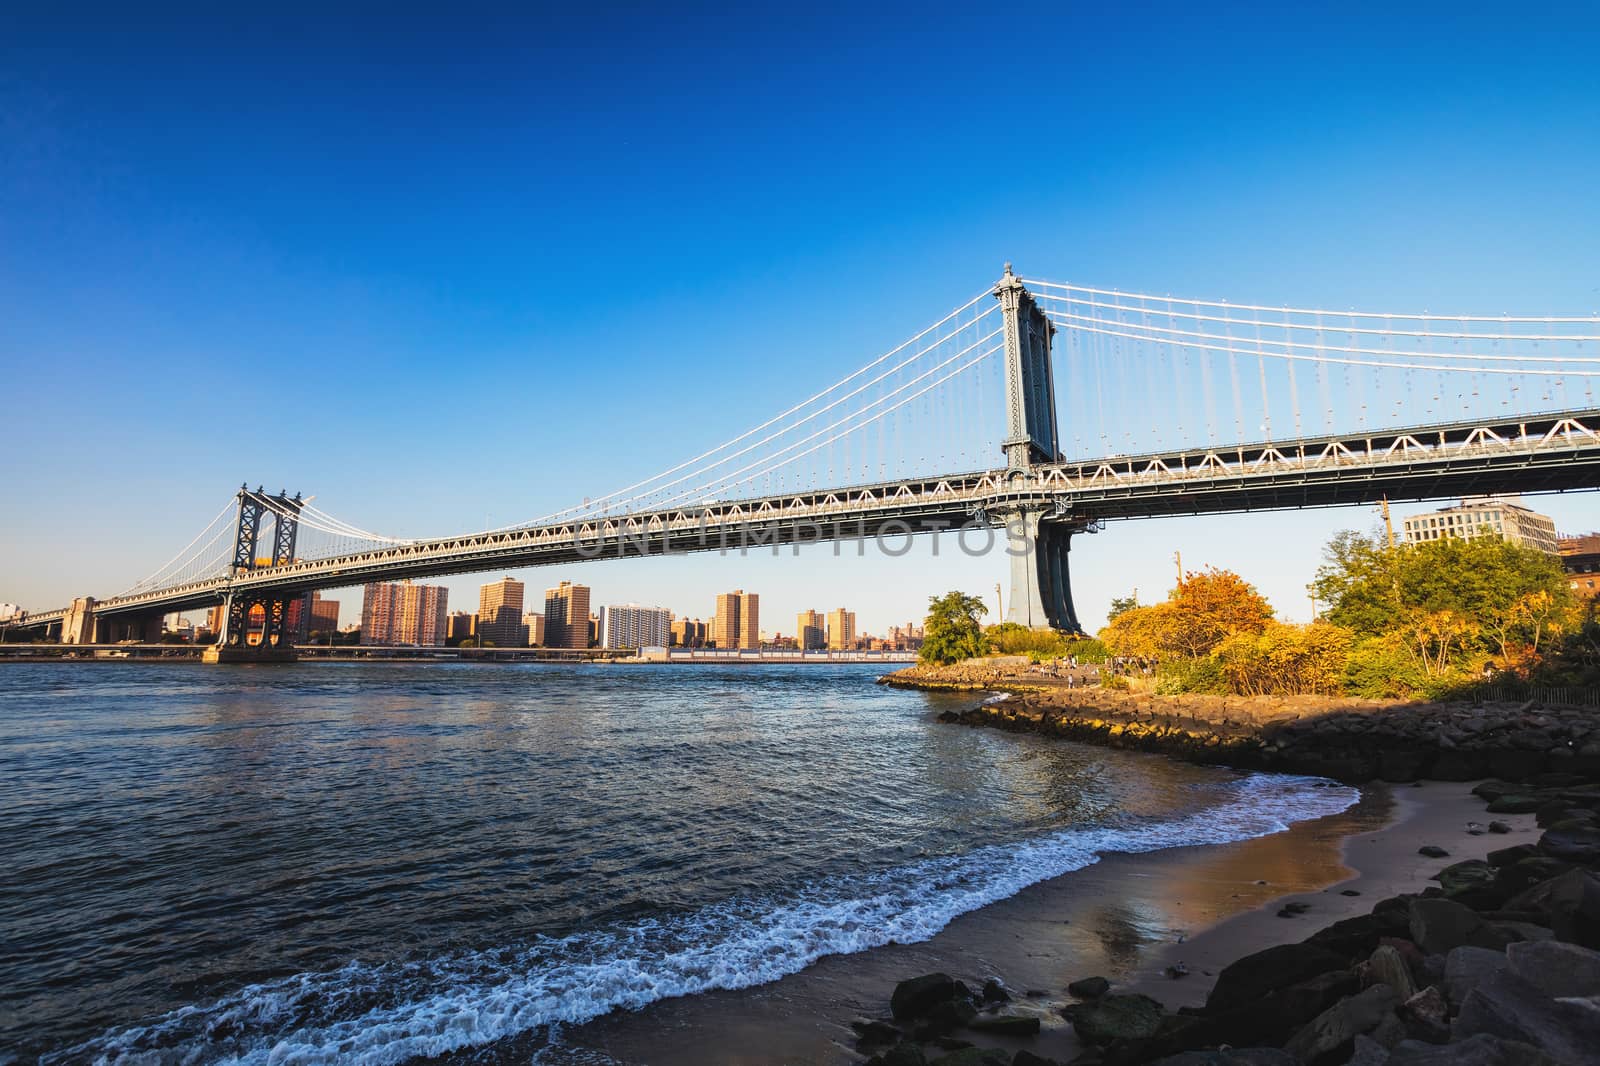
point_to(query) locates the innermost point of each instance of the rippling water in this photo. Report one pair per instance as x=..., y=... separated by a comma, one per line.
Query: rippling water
x=353, y=862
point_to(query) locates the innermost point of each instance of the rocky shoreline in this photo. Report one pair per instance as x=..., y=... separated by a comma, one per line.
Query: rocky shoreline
x=1349, y=740
x=1495, y=965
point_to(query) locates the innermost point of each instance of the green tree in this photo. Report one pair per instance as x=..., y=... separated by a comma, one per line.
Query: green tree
x=952, y=631
x=1122, y=605
x=1452, y=603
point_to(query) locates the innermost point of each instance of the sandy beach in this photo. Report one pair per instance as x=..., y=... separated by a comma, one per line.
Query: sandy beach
x=1127, y=917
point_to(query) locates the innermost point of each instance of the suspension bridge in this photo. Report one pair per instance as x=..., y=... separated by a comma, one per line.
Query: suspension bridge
x=1032, y=413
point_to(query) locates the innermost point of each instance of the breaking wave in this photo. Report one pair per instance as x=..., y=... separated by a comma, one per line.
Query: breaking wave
x=387, y=1013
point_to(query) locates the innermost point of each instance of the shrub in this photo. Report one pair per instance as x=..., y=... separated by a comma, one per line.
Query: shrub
x=1286, y=660
x=1191, y=675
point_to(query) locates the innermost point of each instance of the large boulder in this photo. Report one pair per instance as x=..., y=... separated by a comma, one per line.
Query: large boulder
x=1233, y=1056
x=974, y=1056
x=1330, y=1036
x=1440, y=925
x=1465, y=967
x=1557, y=968
x=1568, y=904
x=915, y=997
x=1573, y=841
x=1254, y=976
x=1506, y=1006
x=1114, y=1018
x=1388, y=967
x=1480, y=1050
x=1515, y=853
x=1355, y=938
x=1089, y=987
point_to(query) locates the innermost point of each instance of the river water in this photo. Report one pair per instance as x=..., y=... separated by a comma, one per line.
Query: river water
x=382, y=862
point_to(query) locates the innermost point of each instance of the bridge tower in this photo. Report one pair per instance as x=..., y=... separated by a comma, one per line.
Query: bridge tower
x=233, y=643
x=1039, y=528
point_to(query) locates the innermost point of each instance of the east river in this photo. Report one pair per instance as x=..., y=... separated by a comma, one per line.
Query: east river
x=380, y=862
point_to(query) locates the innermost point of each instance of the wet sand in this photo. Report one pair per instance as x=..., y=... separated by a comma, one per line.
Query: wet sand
x=1127, y=917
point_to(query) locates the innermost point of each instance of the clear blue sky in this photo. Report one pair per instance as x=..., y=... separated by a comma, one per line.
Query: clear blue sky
x=459, y=270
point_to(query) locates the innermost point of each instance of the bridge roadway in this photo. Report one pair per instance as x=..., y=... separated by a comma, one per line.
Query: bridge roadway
x=1555, y=452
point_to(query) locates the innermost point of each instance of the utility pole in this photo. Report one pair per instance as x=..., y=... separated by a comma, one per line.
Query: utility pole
x=1388, y=523
x=999, y=604
x=1177, y=557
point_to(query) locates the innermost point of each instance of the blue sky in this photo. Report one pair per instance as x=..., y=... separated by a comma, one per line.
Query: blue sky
x=460, y=270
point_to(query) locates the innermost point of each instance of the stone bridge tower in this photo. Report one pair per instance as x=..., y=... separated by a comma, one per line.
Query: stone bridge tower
x=1038, y=527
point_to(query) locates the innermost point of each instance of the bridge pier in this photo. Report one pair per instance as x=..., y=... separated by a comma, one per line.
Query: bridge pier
x=1041, y=581
x=77, y=626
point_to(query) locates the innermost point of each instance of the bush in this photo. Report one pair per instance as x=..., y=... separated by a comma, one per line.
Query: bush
x=1191, y=675
x=1286, y=660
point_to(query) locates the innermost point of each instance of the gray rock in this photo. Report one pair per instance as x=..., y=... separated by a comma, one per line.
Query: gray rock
x=1024, y=1057
x=974, y=1056
x=1569, y=904
x=1387, y=967
x=1006, y=1024
x=1341, y=1023
x=1506, y=1006
x=1426, y=1016
x=1440, y=925
x=1235, y=1056
x=1515, y=805
x=915, y=997
x=1089, y=987
x=1247, y=980
x=1433, y=851
x=1573, y=841
x=1461, y=876
x=1480, y=1050
x=1120, y=1017
x=906, y=1054
x=875, y=1034
x=1556, y=968
x=1465, y=967
x=1368, y=1052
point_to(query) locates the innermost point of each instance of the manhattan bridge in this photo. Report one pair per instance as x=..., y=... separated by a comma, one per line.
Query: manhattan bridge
x=1037, y=410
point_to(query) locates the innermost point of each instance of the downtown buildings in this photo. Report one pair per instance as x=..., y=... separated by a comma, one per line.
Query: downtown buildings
x=500, y=615
x=841, y=630
x=1494, y=515
x=404, y=614
x=630, y=625
x=810, y=631
x=737, y=623
x=566, y=616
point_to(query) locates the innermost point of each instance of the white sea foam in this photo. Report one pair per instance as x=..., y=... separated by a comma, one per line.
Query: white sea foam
x=998, y=697
x=376, y=1014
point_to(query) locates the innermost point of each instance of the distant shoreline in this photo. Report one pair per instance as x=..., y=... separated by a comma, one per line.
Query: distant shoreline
x=191, y=653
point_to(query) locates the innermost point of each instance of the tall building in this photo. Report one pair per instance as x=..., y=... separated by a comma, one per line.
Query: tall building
x=321, y=616
x=500, y=614
x=461, y=625
x=1499, y=516
x=404, y=614
x=737, y=623
x=629, y=625
x=566, y=616
x=810, y=632
x=841, y=630
x=689, y=633
x=534, y=623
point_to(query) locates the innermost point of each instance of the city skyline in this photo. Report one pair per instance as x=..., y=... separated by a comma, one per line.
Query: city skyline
x=151, y=244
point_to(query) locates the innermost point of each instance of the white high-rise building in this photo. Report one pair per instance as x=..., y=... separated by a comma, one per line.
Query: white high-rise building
x=1497, y=516
x=629, y=625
